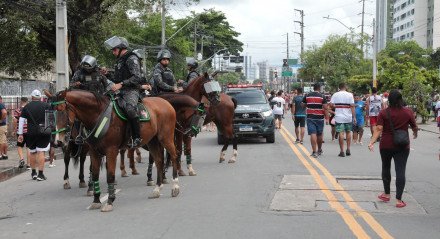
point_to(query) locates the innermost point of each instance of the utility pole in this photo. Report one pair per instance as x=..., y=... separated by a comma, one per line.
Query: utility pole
x=163, y=12
x=62, y=55
x=362, y=26
x=195, y=40
x=375, y=43
x=301, y=23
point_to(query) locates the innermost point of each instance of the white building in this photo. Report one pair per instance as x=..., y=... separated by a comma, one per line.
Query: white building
x=414, y=20
x=383, y=17
x=436, y=27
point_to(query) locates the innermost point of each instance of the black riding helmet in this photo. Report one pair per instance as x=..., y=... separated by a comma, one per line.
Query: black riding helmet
x=164, y=53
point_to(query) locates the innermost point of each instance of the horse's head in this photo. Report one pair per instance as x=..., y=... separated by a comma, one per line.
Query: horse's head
x=62, y=116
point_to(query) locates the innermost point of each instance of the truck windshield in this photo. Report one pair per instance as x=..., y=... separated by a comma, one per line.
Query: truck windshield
x=248, y=97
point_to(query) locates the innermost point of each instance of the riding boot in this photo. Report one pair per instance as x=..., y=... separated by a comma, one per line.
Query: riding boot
x=135, y=132
x=79, y=140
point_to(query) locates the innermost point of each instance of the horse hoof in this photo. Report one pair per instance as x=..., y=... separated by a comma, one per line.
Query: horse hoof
x=231, y=161
x=124, y=174
x=138, y=159
x=66, y=186
x=175, y=191
x=192, y=173
x=89, y=193
x=165, y=181
x=221, y=160
x=107, y=208
x=155, y=194
x=95, y=205
x=134, y=172
x=150, y=183
x=82, y=185
x=181, y=173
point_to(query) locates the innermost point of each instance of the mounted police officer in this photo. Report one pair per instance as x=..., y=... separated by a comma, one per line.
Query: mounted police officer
x=88, y=77
x=128, y=78
x=192, y=72
x=163, y=78
x=145, y=84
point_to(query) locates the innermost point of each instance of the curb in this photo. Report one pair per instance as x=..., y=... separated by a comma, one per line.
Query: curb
x=14, y=171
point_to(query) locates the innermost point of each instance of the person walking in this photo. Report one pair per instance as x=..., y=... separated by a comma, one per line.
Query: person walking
x=343, y=102
x=279, y=105
x=394, y=118
x=437, y=113
x=299, y=115
x=316, y=109
x=358, y=128
x=3, y=131
x=37, y=141
x=21, y=145
x=374, y=105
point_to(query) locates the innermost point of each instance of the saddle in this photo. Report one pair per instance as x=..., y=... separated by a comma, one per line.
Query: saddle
x=119, y=106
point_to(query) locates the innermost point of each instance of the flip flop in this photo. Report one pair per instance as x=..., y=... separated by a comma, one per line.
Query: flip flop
x=400, y=204
x=384, y=198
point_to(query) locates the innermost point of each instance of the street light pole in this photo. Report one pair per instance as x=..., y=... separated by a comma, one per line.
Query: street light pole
x=349, y=28
x=62, y=55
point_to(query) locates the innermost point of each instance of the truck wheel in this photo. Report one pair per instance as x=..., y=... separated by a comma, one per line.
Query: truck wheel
x=270, y=138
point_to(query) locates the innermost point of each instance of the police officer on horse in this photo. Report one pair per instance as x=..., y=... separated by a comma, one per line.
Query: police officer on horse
x=128, y=78
x=163, y=78
x=192, y=72
x=88, y=76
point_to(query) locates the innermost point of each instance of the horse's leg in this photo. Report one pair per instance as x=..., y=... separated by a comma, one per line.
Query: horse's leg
x=66, y=167
x=235, y=152
x=168, y=143
x=82, y=159
x=111, y=158
x=122, y=165
x=90, y=189
x=178, y=141
x=187, y=142
x=138, y=156
x=157, y=153
x=223, y=152
x=130, y=155
x=95, y=164
x=165, y=168
x=150, y=181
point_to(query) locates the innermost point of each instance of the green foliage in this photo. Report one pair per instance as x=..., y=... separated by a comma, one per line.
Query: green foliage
x=336, y=60
x=415, y=92
x=228, y=78
x=359, y=84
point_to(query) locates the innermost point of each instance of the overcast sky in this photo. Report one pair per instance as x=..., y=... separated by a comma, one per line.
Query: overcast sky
x=263, y=24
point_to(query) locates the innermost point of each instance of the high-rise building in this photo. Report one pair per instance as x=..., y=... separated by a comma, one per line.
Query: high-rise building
x=416, y=20
x=436, y=27
x=263, y=70
x=384, y=16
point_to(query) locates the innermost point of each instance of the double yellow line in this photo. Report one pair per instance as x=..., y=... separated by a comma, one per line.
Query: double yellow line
x=347, y=216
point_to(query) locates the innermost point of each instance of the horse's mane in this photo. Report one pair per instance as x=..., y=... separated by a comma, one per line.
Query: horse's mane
x=100, y=98
x=193, y=82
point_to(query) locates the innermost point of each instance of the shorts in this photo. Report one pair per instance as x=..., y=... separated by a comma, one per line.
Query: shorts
x=343, y=127
x=373, y=120
x=38, y=143
x=278, y=117
x=300, y=121
x=315, y=126
x=22, y=144
x=3, y=132
x=358, y=128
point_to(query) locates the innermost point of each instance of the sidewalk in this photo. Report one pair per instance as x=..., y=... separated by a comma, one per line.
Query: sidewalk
x=429, y=126
x=9, y=167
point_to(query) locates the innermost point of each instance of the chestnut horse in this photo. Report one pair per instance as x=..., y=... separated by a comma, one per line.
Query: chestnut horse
x=90, y=109
x=221, y=112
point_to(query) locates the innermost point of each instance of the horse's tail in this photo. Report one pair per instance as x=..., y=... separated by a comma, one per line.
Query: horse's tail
x=235, y=102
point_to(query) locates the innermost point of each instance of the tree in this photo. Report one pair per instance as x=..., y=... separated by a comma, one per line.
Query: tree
x=228, y=78
x=336, y=60
x=359, y=84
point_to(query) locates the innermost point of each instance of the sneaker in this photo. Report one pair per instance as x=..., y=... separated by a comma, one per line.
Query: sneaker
x=348, y=153
x=341, y=154
x=41, y=177
x=314, y=154
x=34, y=176
x=320, y=152
x=301, y=142
x=297, y=141
x=4, y=156
x=52, y=165
x=21, y=163
x=28, y=167
x=360, y=143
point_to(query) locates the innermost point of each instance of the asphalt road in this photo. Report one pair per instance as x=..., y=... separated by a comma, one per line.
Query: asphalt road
x=272, y=191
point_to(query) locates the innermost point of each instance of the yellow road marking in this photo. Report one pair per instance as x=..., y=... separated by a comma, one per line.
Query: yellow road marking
x=381, y=232
x=348, y=218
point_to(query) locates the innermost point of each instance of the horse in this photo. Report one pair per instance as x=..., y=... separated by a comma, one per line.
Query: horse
x=107, y=133
x=221, y=112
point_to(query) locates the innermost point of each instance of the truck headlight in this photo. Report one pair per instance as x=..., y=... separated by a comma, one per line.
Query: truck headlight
x=266, y=113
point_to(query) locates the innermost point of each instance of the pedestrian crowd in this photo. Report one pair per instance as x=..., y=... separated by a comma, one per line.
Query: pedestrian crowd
x=387, y=115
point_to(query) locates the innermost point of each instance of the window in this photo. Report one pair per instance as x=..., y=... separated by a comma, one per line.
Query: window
x=412, y=23
x=412, y=34
x=412, y=12
x=429, y=32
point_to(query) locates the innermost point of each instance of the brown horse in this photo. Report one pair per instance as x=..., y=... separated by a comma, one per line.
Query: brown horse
x=90, y=109
x=221, y=112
